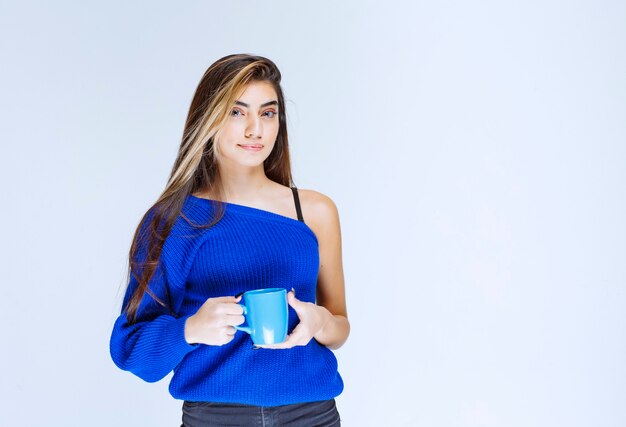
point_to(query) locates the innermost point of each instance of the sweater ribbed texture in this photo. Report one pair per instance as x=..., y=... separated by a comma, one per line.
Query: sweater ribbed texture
x=247, y=249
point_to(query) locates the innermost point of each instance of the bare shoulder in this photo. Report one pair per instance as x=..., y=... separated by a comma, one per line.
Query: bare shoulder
x=319, y=210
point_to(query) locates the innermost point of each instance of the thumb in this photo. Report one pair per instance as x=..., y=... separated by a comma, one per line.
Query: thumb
x=291, y=298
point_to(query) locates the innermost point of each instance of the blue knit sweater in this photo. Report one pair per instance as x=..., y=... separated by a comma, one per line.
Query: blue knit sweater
x=248, y=248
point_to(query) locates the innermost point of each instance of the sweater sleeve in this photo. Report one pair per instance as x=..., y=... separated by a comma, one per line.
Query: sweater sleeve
x=154, y=344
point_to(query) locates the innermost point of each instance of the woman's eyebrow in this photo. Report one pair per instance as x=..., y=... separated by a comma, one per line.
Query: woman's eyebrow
x=243, y=104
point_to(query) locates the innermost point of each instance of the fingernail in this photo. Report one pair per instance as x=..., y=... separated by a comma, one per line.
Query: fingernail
x=293, y=290
x=239, y=294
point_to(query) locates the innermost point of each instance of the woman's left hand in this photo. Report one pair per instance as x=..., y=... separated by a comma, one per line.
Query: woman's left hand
x=312, y=317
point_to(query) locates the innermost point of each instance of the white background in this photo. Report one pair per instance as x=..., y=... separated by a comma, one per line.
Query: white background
x=476, y=151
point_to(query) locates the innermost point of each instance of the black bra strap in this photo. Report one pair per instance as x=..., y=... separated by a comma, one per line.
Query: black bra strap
x=297, y=200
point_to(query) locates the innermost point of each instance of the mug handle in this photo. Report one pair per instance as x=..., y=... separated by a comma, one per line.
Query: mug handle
x=245, y=329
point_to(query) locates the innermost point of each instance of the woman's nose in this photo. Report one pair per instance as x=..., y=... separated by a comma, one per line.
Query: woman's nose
x=255, y=128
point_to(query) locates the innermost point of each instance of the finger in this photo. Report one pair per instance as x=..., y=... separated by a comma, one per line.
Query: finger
x=231, y=308
x=288, y=343
x=234, y=320
x=279, y=346
x=266, y=346
x=221, y=300
x=231, y=331
x=298, y=336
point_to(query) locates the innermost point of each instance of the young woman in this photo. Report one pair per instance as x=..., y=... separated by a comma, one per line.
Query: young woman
x=231, y=220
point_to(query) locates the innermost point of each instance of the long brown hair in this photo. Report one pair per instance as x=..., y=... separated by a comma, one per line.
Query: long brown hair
x=195, y=168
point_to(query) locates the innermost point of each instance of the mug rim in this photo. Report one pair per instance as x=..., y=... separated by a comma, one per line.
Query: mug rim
x=265, y=291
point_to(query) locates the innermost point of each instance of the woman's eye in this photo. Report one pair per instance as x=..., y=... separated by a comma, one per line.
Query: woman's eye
x=270, y=114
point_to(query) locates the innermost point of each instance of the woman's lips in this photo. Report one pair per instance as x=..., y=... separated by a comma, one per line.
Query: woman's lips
x=251, y=147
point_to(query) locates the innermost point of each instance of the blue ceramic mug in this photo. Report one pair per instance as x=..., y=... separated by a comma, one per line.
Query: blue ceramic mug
x=267, y=314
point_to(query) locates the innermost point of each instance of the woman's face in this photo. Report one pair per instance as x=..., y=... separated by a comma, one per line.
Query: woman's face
x=249, y=134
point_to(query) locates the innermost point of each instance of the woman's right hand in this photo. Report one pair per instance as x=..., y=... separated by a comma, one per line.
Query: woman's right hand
x=213, y=323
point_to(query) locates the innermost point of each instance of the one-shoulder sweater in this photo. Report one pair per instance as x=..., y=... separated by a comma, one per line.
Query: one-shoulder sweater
x=247, y=249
